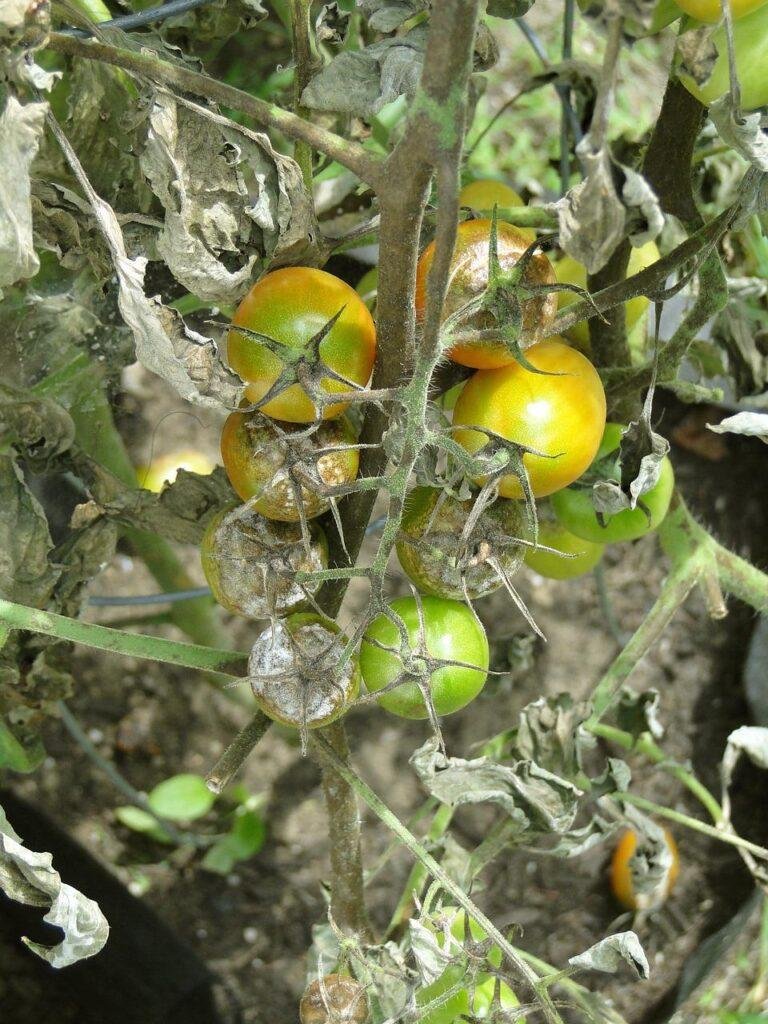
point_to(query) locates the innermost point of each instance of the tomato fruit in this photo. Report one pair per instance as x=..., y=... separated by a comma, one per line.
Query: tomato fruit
x=293, y=671
x=560, y=413
x=585, y=554
x=631, y=880
x=710, y=10
x=292, y=306
x=451, y=1011
x=250, y=562
x=164, y=468
x=575, y=511
x=484, y=194
x=469, y=278
x=750, y=40
x=451, y=632
x=435, y=559
x=261, y=460
x=570, y=271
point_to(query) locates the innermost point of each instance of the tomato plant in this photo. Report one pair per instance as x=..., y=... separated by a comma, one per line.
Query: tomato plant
x=434, y=556
x=279, y=467
x=578, y=556
x=710, y=10
x=451, y=633
x=641, y=879
x=292, y=306
x=559, y=413
x=574, y=508
x=469, y=279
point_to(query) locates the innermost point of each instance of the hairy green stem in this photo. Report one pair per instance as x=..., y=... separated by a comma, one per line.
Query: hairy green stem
x=233, y=758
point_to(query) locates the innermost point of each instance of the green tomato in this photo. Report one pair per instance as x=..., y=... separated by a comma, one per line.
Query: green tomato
x=452, y=632
x=585, y=554
x=750, y=40
x=575, y=511
x=368, y=287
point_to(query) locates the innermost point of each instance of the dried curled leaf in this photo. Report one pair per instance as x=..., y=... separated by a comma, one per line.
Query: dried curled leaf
x=612, y=202
x=232, y=203
x=536, y=799
x=361, y=82
x=742, y=132
x=21, y=128
x=30, y=878
x=748, y=424
x=549, y=733
x=387, y=15
x=611, y=953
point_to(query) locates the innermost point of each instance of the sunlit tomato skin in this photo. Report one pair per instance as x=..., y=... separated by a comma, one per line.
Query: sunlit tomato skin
x=257, y=456
x=484, y=194
x=583, y=554
x=575, y=511
x=561, y=416
x=711, y=11
x=431, y=552
x=452, y=633
x=291, y=306
x=622, y=882
x=750, y=40
x=570, y=271
x=469, y=278
x=164, y=468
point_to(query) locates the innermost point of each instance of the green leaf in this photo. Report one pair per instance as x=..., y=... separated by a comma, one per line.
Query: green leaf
x=138, y=820
x=248, y=834
x=181, y=798
x=15, y=755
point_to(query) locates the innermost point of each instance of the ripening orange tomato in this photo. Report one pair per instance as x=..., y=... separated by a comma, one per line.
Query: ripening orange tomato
x=292, y=306
x=623, y=882
x=560, y=413
x=469, y=278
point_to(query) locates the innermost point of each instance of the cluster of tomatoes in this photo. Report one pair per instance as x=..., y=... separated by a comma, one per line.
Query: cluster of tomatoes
x=302, y=337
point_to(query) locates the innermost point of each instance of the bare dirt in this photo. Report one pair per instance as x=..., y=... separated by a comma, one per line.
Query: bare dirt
x=254, y=927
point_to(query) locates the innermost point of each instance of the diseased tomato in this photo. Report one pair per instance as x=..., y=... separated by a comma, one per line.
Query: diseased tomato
x=250, y=563
x=570, y=271
x=482, y=195
x=292, y=306
x=433, y=556
x=711, y=11
x=294, y=674
x=262, y=459
x=163, y=469
x=642, y=879
x=560, y=413
x=575, y=511
x=584, y=554
x=451, y=633
x=750, y=41
x=469, y=278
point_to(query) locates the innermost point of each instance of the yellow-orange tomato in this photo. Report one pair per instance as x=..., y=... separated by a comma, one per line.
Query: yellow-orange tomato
x=469, y=278
x=164, y=468
x=710, y=10
x=623, y=883
x=263, y=461
x=291, y=306
x=559, y=413
x=484, y=194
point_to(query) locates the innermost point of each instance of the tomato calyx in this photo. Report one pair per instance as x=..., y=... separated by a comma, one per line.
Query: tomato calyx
x=304, y=366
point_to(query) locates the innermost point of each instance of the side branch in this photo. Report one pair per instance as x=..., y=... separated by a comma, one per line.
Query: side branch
x=350, y=154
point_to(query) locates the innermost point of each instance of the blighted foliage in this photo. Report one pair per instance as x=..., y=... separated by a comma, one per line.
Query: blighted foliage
x=128, y=191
